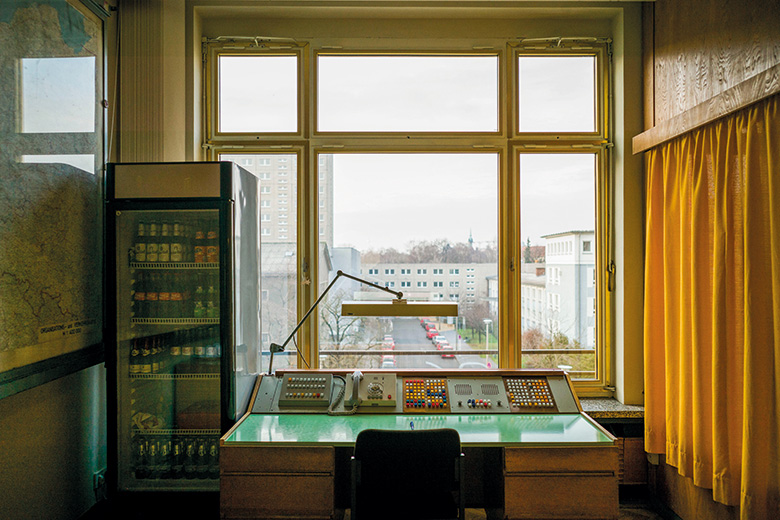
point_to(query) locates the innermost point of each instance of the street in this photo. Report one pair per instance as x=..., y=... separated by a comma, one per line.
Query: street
x=409, y=336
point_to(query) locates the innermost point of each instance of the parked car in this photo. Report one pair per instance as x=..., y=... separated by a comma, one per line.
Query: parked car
x=388, y=362
x=440, y=345
x=438, y=338
x=388, y=345
x=388, y=337
x=430, y=325
x=431, y=333
x=447, y=351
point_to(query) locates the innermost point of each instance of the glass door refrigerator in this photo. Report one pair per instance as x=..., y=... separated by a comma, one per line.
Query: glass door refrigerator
x=183, y=318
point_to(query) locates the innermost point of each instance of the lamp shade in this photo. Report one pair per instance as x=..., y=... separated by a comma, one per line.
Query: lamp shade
x=398, y=308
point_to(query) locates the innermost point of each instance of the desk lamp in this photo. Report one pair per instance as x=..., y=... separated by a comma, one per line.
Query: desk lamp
x=396, y=307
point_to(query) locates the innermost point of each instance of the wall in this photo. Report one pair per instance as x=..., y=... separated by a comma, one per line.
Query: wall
x=52, y=440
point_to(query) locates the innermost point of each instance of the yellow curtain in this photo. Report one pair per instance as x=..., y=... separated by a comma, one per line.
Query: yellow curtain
x=712, y=308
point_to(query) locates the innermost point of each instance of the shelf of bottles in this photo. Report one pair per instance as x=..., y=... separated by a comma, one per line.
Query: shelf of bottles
x=173, y=351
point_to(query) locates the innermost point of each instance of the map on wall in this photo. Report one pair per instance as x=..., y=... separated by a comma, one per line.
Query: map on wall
x=50, y=157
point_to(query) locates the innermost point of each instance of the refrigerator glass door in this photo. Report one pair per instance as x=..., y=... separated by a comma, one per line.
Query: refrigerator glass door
x=169, y=353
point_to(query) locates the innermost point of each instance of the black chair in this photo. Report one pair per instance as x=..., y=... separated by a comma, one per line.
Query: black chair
x=407, y=474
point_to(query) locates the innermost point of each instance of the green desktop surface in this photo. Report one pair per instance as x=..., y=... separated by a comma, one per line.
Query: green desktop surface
x=475, y=430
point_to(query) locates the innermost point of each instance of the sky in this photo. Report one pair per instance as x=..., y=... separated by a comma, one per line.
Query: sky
x=390, y=200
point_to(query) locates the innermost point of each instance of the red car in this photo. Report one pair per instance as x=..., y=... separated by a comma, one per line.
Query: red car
x=431, y=333
x=447, y=351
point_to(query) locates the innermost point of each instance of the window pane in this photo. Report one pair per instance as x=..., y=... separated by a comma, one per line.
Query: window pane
x=417, y=222
x=278, y=248
x=258, y=94
x=58, y=95
x=408, y=93
x=557, y=94
x=557, y=220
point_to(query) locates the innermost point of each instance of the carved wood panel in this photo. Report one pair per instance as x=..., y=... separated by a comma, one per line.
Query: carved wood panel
x=700, y=48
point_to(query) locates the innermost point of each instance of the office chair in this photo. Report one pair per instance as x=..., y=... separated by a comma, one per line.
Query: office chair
x=409, y=474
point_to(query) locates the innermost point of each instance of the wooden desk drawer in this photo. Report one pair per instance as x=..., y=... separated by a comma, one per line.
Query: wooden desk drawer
x=267, y=459
x=561, y=460
x=276, y=496
x=561, y=497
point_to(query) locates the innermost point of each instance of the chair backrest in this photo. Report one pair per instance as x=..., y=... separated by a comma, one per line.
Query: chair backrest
x=407, y=474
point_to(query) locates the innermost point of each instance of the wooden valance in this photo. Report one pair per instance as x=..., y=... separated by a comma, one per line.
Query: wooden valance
x=752, y=90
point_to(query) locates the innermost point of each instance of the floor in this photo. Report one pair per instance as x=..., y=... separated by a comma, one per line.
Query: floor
x=205, y=506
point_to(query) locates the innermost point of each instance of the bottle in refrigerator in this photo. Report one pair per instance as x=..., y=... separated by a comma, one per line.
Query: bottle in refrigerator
x=177, y=307
x=177, y=242
x=146, y=357
x=188, y=241
x=140, y=461
x=202, y=466
x=210, y=350
x=199, y=298
x=153, y=456
x=152, y=243
x=139, y=244
x=174, y=350
x=190, y=458
x=212, y=242
x=139, y=294
x=164, y=295
x=186, y=346
x=199, y=245
x=152, y=284
x=177, y=459
x=213, y=459
x=135, y=358
x=164, y=246
x=165, y=458
x=212, y=296
x=199, y=347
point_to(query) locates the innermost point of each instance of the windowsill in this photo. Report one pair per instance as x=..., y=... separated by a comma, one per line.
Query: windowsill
x=609, y=408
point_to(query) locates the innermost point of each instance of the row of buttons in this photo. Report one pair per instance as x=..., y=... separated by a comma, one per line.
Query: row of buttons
x=479, y=403
x=302, y=395
x=306, y=382
x=422, y=403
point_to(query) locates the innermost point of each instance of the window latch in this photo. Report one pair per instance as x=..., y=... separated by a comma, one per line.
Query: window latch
x=611, y=269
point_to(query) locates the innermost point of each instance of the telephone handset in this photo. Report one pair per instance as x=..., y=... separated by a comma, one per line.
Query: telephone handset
x=357, y=376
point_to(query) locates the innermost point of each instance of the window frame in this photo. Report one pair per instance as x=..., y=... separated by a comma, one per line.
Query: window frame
x=508, y=143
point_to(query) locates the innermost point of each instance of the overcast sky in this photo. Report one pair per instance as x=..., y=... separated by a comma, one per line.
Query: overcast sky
x=390, y=200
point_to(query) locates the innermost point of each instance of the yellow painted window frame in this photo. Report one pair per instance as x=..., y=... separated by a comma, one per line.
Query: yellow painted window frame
x=307, y=143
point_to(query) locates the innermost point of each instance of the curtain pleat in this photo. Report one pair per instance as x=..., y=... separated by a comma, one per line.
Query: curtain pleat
x=712, y=308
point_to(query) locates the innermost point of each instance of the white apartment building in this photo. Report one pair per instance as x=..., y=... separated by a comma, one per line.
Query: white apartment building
x=465, y=283
x=559, y=296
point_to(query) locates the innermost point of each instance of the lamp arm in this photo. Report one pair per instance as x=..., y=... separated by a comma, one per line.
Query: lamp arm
x=274, y=348
x=398, y=294
x=306, y=316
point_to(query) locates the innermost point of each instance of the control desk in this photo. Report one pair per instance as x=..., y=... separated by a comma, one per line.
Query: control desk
x=530, y=450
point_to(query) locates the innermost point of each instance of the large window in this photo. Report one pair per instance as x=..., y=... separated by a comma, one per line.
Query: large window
x=474, y=176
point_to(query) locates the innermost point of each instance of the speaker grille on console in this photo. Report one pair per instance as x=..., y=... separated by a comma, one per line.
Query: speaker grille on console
x=462, y=389
x=490, y=389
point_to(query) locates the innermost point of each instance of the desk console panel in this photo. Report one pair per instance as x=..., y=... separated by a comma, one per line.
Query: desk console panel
x=380, y=391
